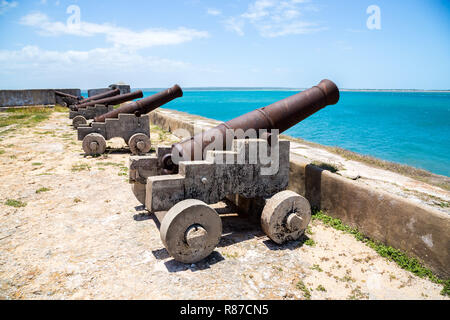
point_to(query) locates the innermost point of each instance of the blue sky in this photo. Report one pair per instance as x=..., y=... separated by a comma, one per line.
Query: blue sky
x=196, y=43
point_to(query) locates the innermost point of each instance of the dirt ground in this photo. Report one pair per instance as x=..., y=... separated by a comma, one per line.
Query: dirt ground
x=81, y=234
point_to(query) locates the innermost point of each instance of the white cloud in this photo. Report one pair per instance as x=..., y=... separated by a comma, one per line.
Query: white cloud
x=213, y=12
x=6, y=5
x=119, y=37
x=35, y=67
x=235, y=24
x=120, y=59
x=275, y=18
x=98, y=59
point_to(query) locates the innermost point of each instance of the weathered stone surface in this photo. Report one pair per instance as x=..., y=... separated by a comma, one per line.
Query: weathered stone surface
x=12, y=98
x=139, y=143
x=213, y=179
x=166, y=191
x=142, y=167
x=125, y=126
x=93, y=144
x=94, y=92
x=90, y=112
x=78, y=121
x=285, y=216
x=420, y=231
x=191, y=230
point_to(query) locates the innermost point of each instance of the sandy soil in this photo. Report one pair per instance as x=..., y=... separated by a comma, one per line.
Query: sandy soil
x=88, y=237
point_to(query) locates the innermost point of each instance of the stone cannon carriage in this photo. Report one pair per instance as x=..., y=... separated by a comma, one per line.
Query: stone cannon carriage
x=178, y=184
x=129, y=122
x=90, y=109
x=82, y=115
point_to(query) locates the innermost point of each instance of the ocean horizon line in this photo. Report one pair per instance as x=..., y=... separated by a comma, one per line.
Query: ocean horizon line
x=291, y=89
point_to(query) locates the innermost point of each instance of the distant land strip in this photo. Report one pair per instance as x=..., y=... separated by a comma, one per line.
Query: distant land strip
x=291, y=89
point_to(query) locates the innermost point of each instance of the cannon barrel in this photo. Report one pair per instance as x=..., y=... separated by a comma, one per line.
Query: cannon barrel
x=112, y=100
x=145, y=105
x=66, y=95
x=68, y=98
x=280, y=115
x=107, y=94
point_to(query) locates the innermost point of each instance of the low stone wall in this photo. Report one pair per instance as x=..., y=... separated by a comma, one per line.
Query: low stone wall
x=421, y=231
x=32, y=97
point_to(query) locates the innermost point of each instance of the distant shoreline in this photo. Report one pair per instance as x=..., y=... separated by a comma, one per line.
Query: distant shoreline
x=292, y=89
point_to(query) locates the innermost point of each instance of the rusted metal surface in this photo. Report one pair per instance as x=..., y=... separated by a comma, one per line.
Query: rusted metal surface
x=68, y=98
x=62, y=94
x=146, y=105
x=112, y=100
x=280, y=115
x=110, y=93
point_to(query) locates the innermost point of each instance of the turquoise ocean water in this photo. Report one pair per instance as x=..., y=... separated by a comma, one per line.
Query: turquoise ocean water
x=406, y=127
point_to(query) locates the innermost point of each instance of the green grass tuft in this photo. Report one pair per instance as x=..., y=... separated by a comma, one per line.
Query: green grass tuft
x=43, y=189
x=23, y=117
x=113, y=164
x=303, y=288
x=316, y=267
x=446, y=290
x=321, y=288
x=15, y=203
x=402, y=259
x=80, y=167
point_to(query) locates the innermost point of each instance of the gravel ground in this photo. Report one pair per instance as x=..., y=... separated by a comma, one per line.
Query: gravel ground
x=87, y=237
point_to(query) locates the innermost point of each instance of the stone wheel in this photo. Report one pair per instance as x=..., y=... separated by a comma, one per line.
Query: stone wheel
x=93, y=144
x=191, y=230
x=285, y=216
x=139, y=191
x=139, y=143
x=78, y=120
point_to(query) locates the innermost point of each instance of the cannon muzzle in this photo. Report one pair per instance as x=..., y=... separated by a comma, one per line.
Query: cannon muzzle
x=145, y=105
x=112, y=100
x=280, y=115
x=107, y=94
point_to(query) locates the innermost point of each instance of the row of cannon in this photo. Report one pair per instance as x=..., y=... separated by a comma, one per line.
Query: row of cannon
x=179, y=183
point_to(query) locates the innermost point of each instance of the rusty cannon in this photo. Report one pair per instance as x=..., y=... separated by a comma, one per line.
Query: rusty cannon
x=107, y=94
x=68, y=99
x=81, y=115
x=84, y=111
x=112, y=100
x=129, y=122
x=241, y=161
